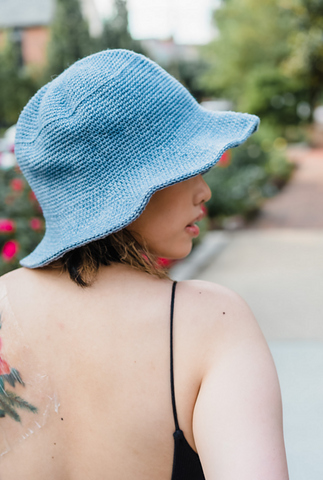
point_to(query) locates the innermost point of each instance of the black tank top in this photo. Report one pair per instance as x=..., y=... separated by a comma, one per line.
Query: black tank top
x=186, y=462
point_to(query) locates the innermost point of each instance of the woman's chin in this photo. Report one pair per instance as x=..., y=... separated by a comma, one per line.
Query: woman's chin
x=178, y=253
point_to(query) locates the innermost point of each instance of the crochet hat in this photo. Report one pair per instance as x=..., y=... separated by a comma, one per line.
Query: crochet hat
x=97, y=141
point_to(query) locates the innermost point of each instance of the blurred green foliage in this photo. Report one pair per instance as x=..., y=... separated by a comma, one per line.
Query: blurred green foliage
x=116, y=31
x=21, y=220
x=189, y=72
x=268, y=57
x=305, y=42
x=16, y=85
x=70, y=38
x=257, y=170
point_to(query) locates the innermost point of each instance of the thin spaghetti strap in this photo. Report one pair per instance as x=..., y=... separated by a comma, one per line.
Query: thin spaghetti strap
x=172, y=386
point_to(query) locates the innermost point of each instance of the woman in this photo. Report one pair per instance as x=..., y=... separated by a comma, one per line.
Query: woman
x=114, y=371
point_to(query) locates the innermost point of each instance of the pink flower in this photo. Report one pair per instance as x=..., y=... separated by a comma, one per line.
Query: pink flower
x=204, y=209
x=10, y=250
x=4, y=366
x=225, y=159
x=6, y=225
x=165, y=262
x=36, y=224
x=17, y=184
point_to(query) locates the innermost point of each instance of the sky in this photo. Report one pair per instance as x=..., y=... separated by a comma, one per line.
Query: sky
x=188, y=21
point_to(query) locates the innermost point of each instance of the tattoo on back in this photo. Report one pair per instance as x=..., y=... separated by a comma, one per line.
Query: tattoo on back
x=9, y=401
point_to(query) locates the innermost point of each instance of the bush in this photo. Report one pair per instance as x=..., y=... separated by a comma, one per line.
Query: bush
x=21, y=220
x=256, y=171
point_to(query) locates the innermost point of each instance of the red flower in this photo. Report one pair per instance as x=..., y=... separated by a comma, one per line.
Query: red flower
x=4, y=367
x=10, y=250
x=17, y=184
x=6, y=225
x=225, y=159
x=204, y=209
x=165, y=262
x=36, y=224
x=32, y=196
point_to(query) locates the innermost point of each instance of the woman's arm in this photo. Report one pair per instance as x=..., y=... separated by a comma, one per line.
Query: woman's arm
x=237, y=420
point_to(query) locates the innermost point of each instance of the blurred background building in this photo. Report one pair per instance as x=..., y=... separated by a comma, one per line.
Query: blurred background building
x=27, y=24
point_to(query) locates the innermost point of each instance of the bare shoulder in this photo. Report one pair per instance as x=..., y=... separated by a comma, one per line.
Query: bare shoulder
x=209, y=292
x=33, y=291
x=215, y=307
x=238, y=411
x=20, y=280
x=222, y=325
x=24, y=277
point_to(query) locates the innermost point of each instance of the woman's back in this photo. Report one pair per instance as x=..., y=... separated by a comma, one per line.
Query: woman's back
x=106, y=352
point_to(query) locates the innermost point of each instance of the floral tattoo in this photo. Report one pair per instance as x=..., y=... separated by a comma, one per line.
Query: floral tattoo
x=9, y=401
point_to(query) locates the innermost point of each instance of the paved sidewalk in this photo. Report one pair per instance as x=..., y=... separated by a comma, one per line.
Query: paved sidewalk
x=300, y=367
x=300, y=204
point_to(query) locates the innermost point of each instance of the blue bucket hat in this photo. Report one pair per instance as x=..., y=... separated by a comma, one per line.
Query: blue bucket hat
x=97, y=141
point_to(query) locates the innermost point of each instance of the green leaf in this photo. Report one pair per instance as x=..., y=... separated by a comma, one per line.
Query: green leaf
x=13, y=377
x=8, y=378
x=18, y=402
x=8, y=409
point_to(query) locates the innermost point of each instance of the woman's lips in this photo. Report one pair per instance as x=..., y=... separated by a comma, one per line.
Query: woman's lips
x=193, y=230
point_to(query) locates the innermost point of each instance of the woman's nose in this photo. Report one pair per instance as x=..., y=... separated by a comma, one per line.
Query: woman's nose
x=204, y=191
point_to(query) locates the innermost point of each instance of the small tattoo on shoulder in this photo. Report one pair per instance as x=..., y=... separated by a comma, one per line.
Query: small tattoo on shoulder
x=9, y=401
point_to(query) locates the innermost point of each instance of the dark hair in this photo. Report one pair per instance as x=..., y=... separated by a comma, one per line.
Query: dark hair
x=83, y=263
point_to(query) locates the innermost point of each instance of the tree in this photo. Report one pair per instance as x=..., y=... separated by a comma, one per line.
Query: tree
x=188, y=72
x=70, y=38
x=250, y=61
x=305, y=42
x=116, y=31
x=16, y=86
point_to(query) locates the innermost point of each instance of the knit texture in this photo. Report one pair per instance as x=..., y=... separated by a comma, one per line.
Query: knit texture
x=97, y=141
